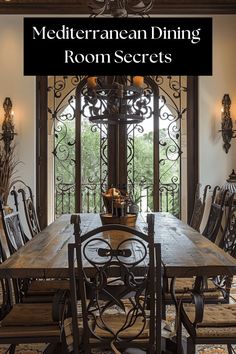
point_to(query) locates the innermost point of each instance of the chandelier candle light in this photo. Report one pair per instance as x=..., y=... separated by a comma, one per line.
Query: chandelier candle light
x=115, y=99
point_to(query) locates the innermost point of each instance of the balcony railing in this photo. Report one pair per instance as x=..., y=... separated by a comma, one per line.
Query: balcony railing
x=92, y=202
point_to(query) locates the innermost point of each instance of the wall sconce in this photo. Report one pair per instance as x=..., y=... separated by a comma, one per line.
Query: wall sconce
x=8, y=133
x=226, y=123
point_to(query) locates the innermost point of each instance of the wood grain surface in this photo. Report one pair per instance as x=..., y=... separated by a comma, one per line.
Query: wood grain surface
x=185, y=252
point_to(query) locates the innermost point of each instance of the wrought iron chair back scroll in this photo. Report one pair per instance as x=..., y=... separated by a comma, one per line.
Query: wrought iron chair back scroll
x=228, y=244
x=119, y=285
x=215, y=215
x=27, y=290
x=228, y=241
x=29, y=208
x=199, y=207
x=13, y=229
x=15, y=239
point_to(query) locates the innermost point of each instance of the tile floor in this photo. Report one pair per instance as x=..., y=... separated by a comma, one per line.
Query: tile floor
x=203, y=349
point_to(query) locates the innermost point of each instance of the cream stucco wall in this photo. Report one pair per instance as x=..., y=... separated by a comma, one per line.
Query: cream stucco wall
x=214, y=164
x=21, y=90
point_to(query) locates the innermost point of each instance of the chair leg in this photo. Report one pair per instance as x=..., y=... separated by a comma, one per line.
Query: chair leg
x=52, y=348
x=12, y=349
x=163, y=310
x=190, y=346
x=229, y=348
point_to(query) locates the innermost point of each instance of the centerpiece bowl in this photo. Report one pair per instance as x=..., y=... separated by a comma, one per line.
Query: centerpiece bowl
x=129, y=219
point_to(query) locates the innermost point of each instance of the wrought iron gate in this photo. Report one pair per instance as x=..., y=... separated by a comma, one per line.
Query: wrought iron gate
x=80, y=154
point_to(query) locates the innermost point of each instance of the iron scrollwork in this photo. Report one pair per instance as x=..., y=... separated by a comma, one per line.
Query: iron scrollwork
x=165, y=110
x=166, y=113
x=62, y=115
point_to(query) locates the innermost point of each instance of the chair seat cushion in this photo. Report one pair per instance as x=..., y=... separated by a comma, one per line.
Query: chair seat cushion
x=30, y=331
x=215, y=315
x=183, y=284
x=134, y=351
x=216, y=332
x=29, y=315
x=46, y=287
x=208, y=295
x=114, y=322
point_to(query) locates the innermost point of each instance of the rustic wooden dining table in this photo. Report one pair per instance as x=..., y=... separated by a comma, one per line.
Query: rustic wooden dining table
x=185, y=252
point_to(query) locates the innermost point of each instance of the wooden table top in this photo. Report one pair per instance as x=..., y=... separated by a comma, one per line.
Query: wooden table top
x=185, y=252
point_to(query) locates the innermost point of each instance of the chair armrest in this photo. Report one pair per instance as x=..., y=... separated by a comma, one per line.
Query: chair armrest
x=199, y=307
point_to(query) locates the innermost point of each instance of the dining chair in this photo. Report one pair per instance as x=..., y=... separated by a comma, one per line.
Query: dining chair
x=26, y=290
x=13, y=229
x=214, y=220
x=216, y=289
x=213, y=323
x=32, y=323
x=28, y=206
x=228, y=244
x=15, y=238
x=116, y=280
x=208, y=323
x=199, y=207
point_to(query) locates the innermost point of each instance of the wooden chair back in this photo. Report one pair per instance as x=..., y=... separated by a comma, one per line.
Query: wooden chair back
x=199, y=207
x=116, y=279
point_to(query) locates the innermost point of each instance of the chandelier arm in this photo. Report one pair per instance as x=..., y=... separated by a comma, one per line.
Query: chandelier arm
x=119, y=8
x=97, y=7
x=140, y=7
x=115, y=100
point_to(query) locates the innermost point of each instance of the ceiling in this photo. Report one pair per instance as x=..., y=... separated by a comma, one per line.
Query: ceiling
x=80, y=7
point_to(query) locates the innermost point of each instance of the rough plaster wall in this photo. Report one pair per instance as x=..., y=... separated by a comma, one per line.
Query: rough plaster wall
x=214, y=164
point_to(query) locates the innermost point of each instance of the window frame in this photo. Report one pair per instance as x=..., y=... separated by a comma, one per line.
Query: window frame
x=42, y=146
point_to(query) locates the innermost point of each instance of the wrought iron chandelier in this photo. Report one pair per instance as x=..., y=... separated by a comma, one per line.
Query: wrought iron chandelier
x=114, y=99
x=120, y=8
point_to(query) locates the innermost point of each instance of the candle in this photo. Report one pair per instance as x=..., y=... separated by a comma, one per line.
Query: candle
x=92, y=81
x=138, y=81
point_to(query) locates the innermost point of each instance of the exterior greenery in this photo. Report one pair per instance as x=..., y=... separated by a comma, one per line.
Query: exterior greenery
x=90, y=173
